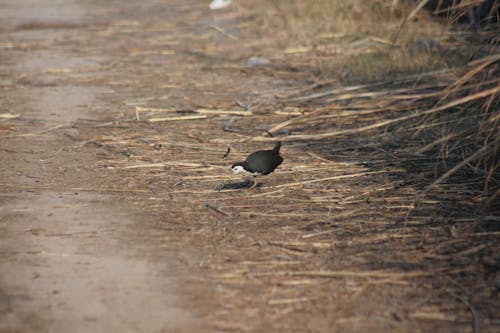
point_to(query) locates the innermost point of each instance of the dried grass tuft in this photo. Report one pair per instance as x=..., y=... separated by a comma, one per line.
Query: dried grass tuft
x=456, y=122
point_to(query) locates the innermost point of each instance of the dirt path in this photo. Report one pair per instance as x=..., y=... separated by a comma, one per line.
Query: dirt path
x=71, y=260
x=110, y=220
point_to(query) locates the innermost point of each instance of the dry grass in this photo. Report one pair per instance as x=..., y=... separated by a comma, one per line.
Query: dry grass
x=376, y=207
x=447, y=105
x=360, y=40
x=380, y=193
x=306, y=21
x=456, y=125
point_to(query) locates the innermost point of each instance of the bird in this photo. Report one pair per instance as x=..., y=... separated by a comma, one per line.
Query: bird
x=261, y=162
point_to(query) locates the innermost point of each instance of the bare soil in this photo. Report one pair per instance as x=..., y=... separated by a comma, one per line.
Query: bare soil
x=110, y=218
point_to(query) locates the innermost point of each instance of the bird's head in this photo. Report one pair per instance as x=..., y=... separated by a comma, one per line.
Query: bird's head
x=238, y=167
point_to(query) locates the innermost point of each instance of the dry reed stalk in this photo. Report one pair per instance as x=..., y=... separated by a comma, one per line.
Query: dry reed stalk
x=202, y=113
x=331, y=92
x=367, y=86
x=338, y=216
x=153, y=120
x=300, y=246
x=215, y=209
x=427, y=315
x=322, y=136
x=472, y=250
x=281, y=215
x=290, y=121
x=300, y=282
x=480, y=66
x=24, y=187
x=435, y=143
x=97, y=189
x=264, y=194
x=320, y=233
x=146, y=109
x=457, y=167
x=207, y=178
x=224, y=32
x=383, y=237
x=224, y=112
x=172, y=163
x=140, y=166
x=408, y=17
x=288, y=113
x=269, y=263
x=53, y=128
x=6, y=116
x=360, y=174
x=286, y=301
x=474, y=322
x=360, y=275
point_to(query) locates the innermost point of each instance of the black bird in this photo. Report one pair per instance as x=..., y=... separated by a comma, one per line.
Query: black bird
x=261, y=162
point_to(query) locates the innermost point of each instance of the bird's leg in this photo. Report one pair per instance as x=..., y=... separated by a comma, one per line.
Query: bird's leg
x=254, y=183
x=253, y=186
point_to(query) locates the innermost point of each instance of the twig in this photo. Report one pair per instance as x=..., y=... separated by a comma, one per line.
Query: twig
x=224, y=32
x=474, y=324
x=215, y=209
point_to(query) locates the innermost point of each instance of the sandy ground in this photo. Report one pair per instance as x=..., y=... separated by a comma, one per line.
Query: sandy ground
x=71, y=259
x=109, y=223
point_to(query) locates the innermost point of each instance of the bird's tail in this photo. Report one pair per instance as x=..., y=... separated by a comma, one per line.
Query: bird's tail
x=277, y=147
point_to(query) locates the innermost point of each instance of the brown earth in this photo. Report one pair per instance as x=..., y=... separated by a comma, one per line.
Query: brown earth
x=110, y=220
